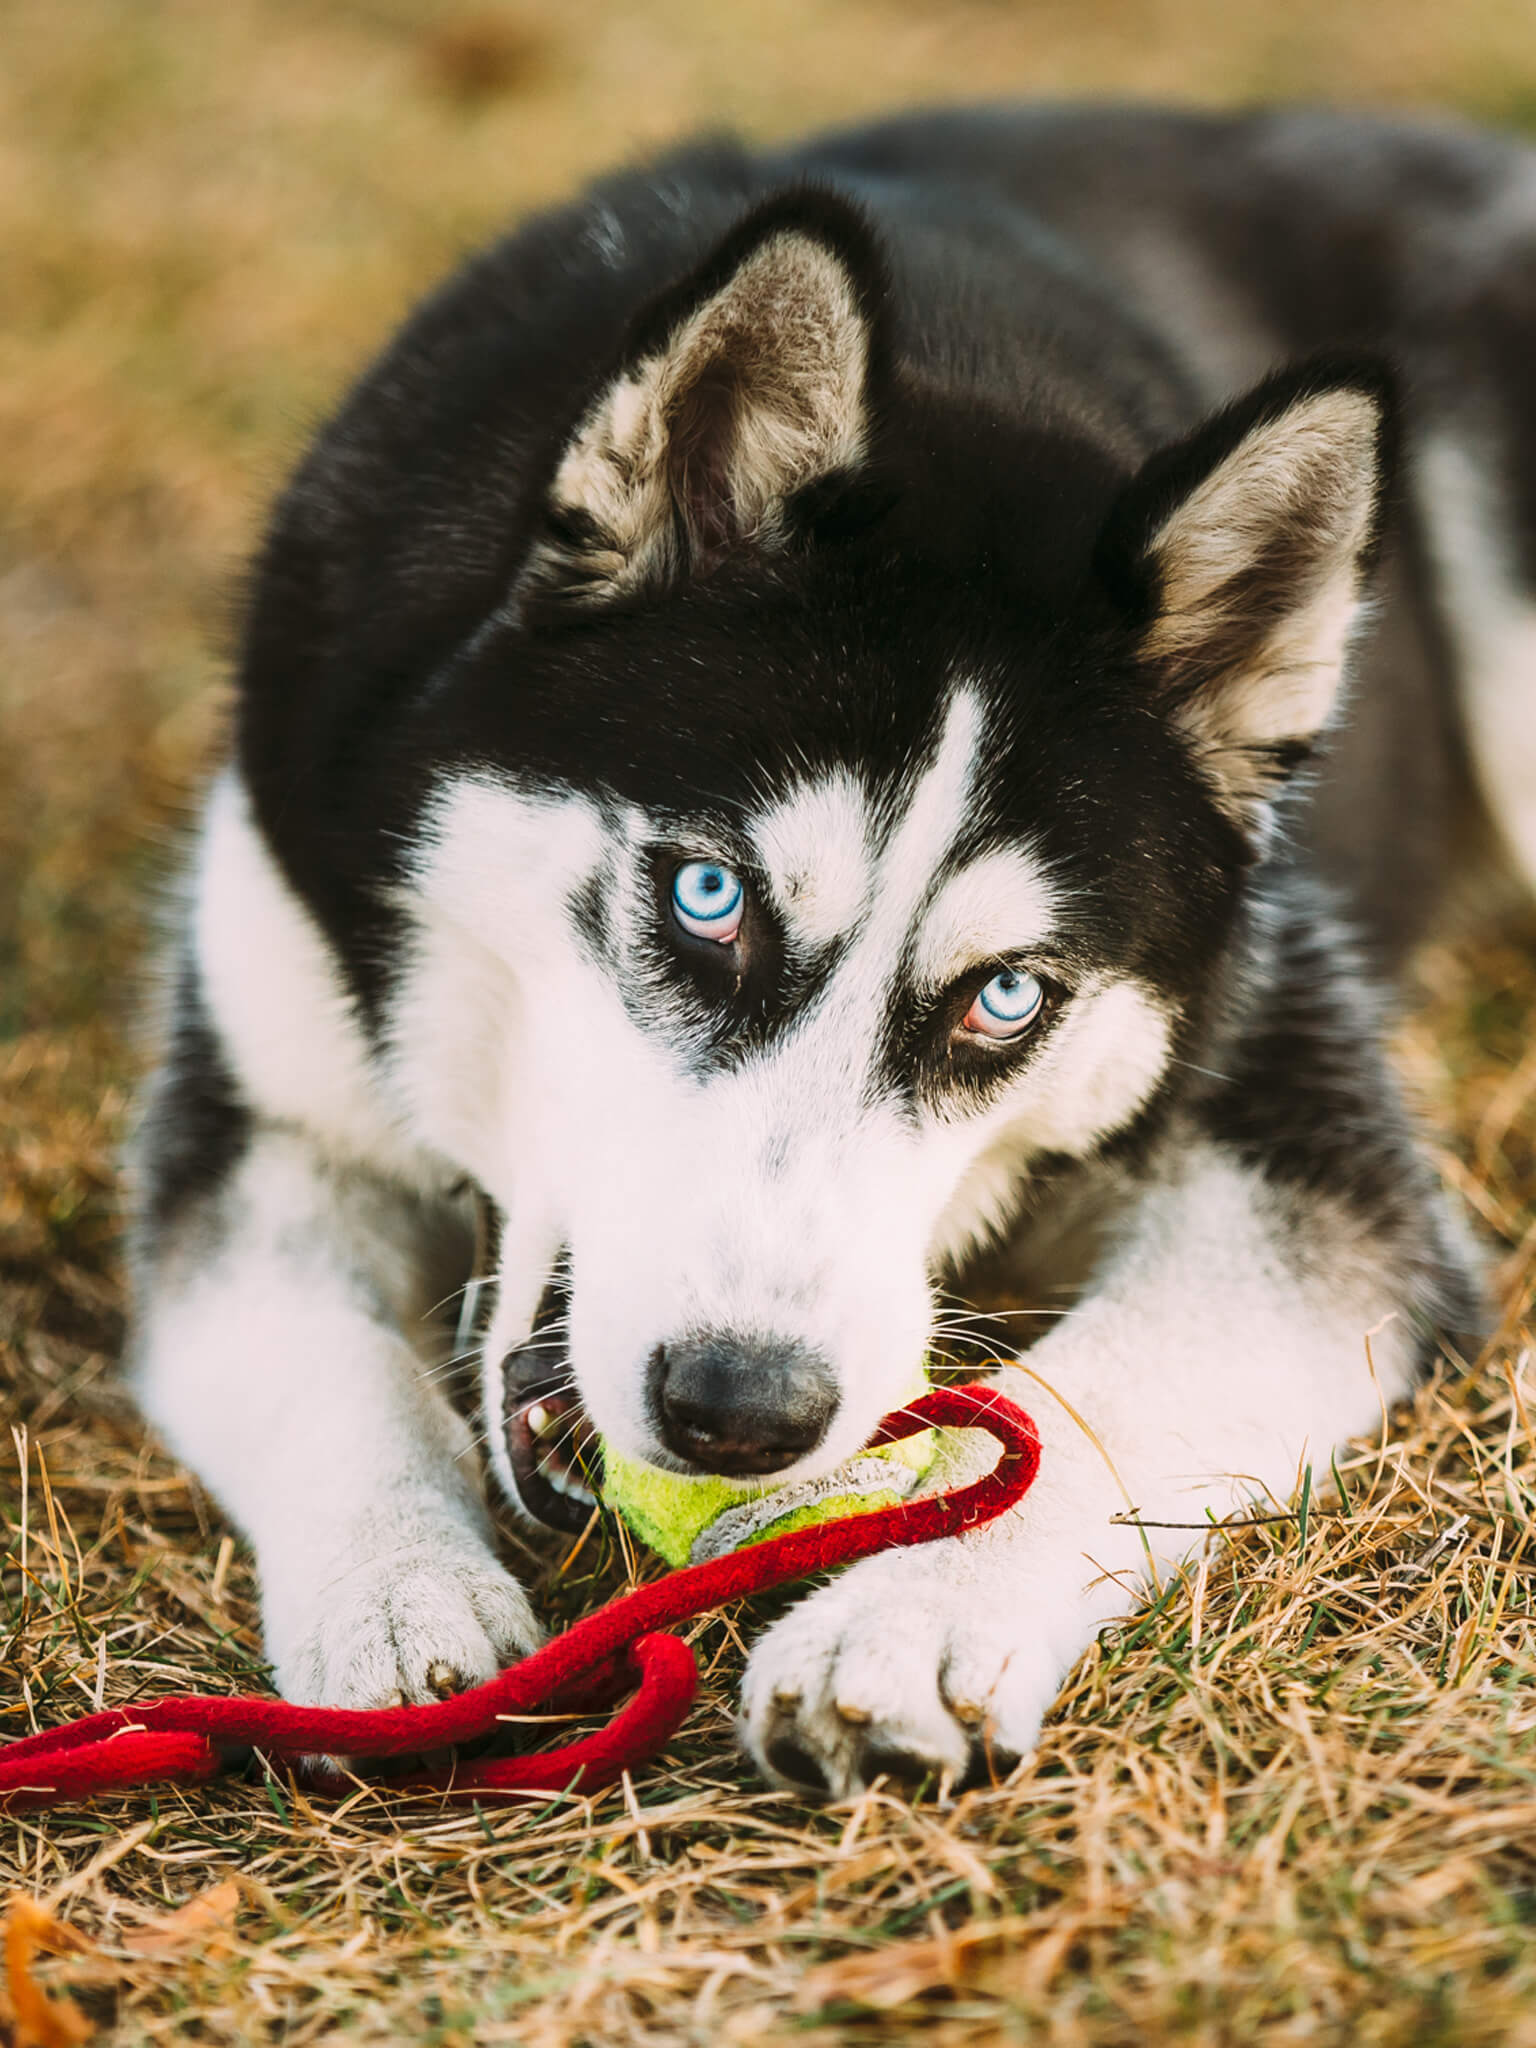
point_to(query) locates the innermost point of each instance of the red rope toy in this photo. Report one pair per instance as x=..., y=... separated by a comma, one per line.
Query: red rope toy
x=189, y=1739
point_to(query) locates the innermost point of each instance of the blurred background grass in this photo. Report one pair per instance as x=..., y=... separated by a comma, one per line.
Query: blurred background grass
x=211, y=212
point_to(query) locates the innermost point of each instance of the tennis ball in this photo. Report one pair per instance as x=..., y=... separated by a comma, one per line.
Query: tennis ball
x=689, y=1521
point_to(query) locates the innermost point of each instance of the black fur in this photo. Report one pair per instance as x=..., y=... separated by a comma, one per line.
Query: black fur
x=194, y=1126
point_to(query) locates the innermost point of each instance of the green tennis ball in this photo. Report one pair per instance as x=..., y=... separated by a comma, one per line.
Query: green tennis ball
x=691, y=1520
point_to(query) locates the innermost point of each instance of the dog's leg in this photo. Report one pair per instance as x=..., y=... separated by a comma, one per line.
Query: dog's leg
x=1243, y=1332
x=271, y=1353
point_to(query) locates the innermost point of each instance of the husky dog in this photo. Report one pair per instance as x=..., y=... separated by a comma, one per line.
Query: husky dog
x=820, y=723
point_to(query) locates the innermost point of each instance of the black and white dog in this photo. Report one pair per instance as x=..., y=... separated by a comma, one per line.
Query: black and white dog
x=819, y=719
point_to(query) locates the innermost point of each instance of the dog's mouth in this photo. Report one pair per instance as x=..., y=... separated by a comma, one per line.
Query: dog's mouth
x=556, y=1460
x=555, y=1457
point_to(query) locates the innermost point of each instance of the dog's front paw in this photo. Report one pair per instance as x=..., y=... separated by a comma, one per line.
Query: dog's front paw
x=916, y=1666
x=402, y=1627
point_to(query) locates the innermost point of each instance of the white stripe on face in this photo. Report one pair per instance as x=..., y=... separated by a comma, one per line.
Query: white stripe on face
x=831, y=1045
x=937, y=813
x=830, y=876
x=815, y=847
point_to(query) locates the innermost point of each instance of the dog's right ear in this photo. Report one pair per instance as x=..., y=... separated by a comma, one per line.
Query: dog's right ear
x=737, y=389
x=1244, y=554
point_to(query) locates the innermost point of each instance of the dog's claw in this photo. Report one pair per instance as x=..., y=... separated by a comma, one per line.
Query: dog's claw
x=885, y=1674
x=404, y=1632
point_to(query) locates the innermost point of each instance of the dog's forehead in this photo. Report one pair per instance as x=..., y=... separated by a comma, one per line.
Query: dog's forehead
x=845, y=852
x=817, y=848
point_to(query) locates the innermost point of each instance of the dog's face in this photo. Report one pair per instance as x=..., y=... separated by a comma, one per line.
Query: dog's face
x=830, y=834
x=752, y=1055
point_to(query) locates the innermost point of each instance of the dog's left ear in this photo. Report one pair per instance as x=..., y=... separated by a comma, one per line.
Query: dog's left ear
x=740, y=387
x=1245, y=553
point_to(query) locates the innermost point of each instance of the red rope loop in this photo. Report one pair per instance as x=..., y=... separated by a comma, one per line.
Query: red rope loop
x=187, y=1739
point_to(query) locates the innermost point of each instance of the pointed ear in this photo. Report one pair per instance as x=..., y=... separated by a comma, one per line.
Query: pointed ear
x=737, y=389
x=1246, y=550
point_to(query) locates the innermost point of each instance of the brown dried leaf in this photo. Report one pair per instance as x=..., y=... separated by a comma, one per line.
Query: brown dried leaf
x=200, y=1923
x=884, y=1978
x=38, y=2021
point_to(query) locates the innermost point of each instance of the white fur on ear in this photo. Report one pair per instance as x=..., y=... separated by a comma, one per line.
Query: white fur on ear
x=1261, y=573
x=757, y=392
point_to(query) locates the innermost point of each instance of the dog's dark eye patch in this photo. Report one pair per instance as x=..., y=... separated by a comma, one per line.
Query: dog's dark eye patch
x=742, y=992
x=589, y=916
x=931, y=1061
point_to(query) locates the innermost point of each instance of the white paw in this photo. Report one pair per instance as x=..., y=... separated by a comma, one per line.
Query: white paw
x=915, y=1666
x=406, y=1626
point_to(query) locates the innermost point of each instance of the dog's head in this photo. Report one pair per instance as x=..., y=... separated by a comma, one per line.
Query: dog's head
x=846, y=817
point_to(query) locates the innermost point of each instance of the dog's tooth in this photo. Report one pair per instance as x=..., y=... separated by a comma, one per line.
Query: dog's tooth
x=856, y=1717
x=566, y=1483
x=539, y=1418
x=787, y=1696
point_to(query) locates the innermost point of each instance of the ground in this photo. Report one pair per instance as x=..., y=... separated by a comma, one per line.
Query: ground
x=1297, y=1803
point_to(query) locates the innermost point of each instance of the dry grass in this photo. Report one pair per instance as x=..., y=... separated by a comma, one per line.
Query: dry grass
x=1298, y=1803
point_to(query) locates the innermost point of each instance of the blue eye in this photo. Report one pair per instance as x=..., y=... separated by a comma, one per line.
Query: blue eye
x=707, y=900
x=1007, y=1006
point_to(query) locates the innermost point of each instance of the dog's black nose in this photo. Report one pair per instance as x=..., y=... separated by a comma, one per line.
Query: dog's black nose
x=741, y=1405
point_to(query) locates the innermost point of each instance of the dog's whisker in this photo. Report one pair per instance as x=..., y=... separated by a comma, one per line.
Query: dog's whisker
x=458, y=1293
x=443, y=1368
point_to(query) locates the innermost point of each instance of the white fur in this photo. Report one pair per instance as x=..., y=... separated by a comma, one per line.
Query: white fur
x=276, y=996
x=496, y=869
x=1000, y=903
x=275, y=1347
x=276, y=1363
x=815, y=845
x=770, y=1197
x=1095, y=1070
x=931, y=818
x=1217, y=1356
